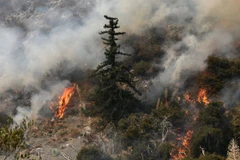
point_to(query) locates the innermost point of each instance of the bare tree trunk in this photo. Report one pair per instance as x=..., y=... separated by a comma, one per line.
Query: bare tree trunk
x=203, y=151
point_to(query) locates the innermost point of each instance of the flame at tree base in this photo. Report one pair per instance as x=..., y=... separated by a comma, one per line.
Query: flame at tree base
x=63, y=101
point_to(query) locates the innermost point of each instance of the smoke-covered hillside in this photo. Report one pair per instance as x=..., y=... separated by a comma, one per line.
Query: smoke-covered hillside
x=37, y=35
x=184, y=54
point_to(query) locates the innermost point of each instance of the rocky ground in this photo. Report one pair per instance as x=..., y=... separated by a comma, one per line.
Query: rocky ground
x=59, y=139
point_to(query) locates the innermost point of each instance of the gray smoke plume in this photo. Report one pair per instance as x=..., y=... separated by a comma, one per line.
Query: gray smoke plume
x=37, y=35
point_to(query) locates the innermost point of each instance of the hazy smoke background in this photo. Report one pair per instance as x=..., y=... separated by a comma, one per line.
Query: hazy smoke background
x=38, y=34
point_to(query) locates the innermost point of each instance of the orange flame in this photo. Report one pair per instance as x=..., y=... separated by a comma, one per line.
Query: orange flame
x=182, y=151
x=188, y=98
x=187, y=138
x=202, y=97
x=63, y=101
x=166, y=103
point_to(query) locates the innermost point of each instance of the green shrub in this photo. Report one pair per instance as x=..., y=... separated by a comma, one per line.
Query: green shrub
x=12, y=139
x=218, y=72
x=146, y=150
x=164, y=151
x=211, y=157
x=92, y=153
x=141, y=68
x=214, y=133
x=5, y=120
x=188, y=158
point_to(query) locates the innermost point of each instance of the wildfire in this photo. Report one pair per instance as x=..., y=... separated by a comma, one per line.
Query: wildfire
x=182, y=151
x=187, y=138
x=166, y=103
x=202, y=97
x=63, y=101
x=189, y=98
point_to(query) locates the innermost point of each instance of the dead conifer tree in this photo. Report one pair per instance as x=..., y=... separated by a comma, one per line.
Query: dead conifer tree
x=233, y=151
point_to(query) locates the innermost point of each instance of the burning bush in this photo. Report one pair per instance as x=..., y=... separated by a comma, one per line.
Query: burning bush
x=63, y=101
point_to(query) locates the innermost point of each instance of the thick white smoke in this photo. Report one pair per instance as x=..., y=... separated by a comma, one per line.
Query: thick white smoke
x=37, y=35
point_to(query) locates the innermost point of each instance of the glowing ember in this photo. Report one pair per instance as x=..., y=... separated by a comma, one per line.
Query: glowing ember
x=189, y=98
x=202, y=97
x=187, y=138
x=182, y=151
x=63, y=101
x=166, y=103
